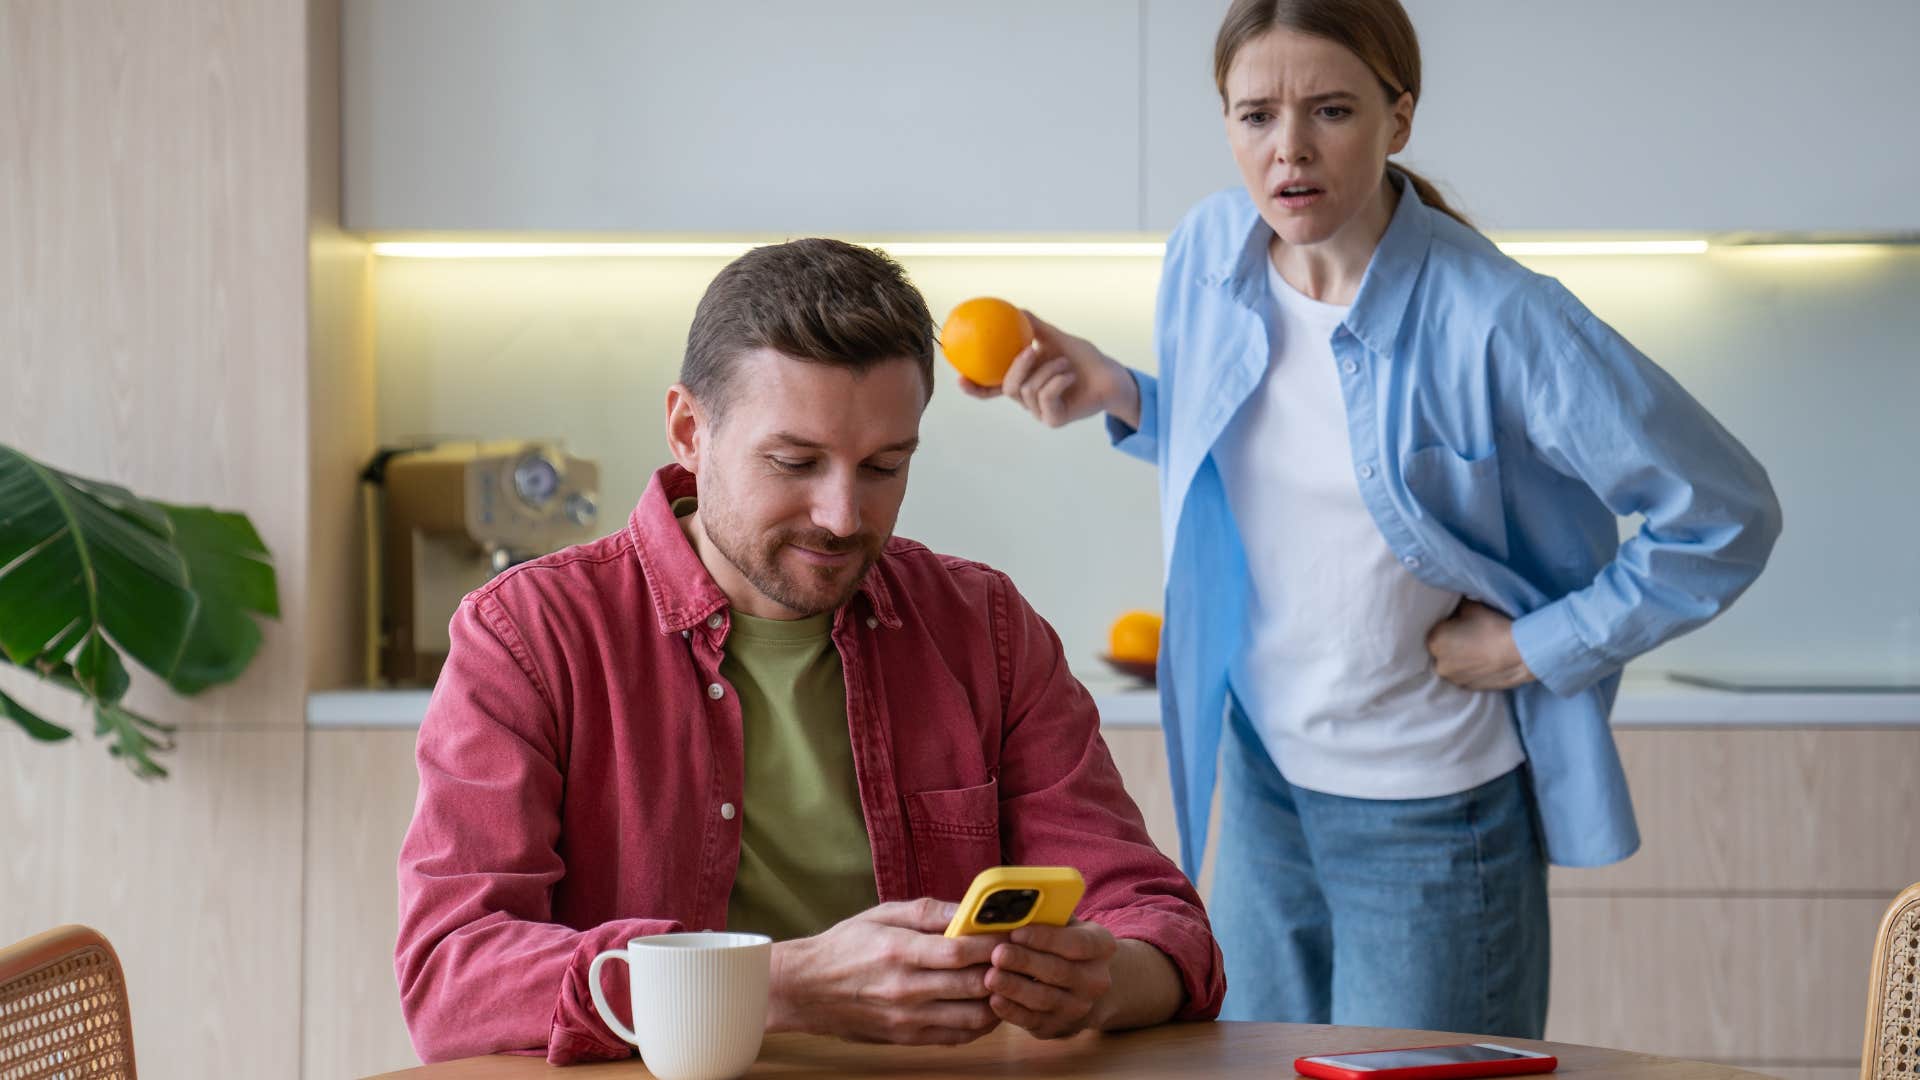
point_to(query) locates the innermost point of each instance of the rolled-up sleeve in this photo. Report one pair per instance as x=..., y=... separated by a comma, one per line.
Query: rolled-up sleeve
x=481, y=967
x=1142, y=442
x=1062, y=803
x=1600, y=412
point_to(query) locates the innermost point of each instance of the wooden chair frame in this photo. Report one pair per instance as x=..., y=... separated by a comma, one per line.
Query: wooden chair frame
x=63, y=1008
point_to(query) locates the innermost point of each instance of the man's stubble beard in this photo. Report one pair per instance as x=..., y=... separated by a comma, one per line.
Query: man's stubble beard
x=760, y=565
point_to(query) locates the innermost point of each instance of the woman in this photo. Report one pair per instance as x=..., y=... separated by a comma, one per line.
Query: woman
x=1391, y=461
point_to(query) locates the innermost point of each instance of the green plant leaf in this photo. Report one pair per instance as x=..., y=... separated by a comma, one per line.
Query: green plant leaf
x=88, y=570
x=67, y=556
x=34, y=726
x=227, y=573
x=135, y=738
x=99, y=671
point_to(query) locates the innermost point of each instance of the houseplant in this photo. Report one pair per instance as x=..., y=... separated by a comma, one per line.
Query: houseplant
x=88, y=570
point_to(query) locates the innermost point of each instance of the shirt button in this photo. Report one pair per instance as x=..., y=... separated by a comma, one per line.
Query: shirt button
x=872, y=623
x=726, y=810
x=1366, y=472
x=714, y=620
x=686, y=633
x=1349, y=367
x=1411, y=561
x=716, y=691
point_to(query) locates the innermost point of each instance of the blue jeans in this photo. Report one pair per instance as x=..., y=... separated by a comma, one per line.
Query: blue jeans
x=1405, y=913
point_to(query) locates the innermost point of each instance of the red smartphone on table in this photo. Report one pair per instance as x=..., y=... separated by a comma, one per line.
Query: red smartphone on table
x=1457, y=1062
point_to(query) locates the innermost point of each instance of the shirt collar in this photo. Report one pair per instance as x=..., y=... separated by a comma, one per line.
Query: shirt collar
x=684, y=593
x=1381, y=303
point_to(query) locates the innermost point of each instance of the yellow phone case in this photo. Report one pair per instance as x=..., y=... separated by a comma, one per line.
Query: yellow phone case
x=1059, y=889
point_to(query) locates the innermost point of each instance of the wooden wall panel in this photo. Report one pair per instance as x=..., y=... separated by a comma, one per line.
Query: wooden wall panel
x=360, y=792
x=340, y=383
x=153, y=275
x=195, y=880
x=153, y=332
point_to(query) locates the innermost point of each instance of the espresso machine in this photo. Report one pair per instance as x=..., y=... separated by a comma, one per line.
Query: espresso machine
x=443, y=518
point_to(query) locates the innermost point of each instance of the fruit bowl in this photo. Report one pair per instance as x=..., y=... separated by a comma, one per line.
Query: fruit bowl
x=1137, y=669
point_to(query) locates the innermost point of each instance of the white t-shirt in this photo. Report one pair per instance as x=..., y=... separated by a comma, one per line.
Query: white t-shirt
x=1335, y=673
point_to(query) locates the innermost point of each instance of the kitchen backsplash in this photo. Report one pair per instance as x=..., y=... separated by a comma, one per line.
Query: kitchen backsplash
x=1809, y=355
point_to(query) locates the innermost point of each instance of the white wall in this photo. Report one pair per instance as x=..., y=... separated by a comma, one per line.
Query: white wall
x=1811, y=359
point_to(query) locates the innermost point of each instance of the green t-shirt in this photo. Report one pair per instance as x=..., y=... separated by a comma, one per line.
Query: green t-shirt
x=805, y=860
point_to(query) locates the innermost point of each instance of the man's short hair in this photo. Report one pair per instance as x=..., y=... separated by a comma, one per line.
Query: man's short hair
x=818, y=300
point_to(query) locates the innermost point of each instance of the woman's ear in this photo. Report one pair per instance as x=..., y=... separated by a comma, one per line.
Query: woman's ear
x=1402, y=122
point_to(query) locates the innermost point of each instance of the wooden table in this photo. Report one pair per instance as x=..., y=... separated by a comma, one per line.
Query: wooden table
x=1229, y=1050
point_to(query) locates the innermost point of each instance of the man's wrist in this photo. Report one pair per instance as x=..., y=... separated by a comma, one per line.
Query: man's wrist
x=1146, y=988
x=783, y=985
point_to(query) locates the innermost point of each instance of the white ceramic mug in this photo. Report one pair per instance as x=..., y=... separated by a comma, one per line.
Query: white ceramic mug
x=699, y=1001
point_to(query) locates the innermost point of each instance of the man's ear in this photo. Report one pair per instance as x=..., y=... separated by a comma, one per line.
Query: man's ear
x=687, y=427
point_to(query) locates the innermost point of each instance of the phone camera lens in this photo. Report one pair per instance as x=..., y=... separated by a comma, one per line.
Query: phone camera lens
x=1008, y=905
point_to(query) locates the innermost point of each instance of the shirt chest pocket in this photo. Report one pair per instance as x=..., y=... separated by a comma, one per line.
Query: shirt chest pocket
x=1460, y=495
x=956, y=834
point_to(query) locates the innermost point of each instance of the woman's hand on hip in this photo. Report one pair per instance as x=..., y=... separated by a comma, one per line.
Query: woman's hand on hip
x=1474, y=648
x=1061, y=378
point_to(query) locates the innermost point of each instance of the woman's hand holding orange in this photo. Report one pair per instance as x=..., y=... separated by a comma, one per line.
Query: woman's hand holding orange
x=1061, y=378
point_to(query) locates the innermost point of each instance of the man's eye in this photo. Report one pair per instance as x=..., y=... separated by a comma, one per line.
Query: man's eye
x=883, y=470
x=1335, y=112
x=1256, y=118
x=788, y=465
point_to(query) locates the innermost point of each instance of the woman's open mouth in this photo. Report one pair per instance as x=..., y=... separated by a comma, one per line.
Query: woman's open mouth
x=1298, y=196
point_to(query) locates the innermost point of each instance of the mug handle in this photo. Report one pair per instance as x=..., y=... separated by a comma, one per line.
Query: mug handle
x=600, y=998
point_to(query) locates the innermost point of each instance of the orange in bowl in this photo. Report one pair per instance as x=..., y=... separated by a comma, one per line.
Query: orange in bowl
x=983, y=335
x=1135, y=638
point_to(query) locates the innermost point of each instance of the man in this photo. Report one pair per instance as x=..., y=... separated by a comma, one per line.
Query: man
x=754, y=709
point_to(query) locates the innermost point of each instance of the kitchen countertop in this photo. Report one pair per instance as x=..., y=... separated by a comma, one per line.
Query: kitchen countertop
x=1646, y=701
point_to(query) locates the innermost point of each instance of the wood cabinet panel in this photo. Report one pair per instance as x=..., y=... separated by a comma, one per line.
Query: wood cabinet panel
x=1717, y=978
x=361, y=787
x=1803, y=811
x=1141, y=756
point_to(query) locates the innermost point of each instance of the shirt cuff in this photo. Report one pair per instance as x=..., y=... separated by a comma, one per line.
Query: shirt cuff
x=1554, y=651
x=1139, y=442
x=1189, y=945
x=578, y=1034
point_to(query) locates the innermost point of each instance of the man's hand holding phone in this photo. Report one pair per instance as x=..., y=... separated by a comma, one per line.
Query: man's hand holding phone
x=1057, y=975
x=1052, y=980
x=887, y=974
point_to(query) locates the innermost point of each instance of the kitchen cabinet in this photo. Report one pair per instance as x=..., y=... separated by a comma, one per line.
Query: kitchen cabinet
x=1740, y=933
x=1633, y=116
x=1742, y=930
x=361, y=786
x=870, y=118
x=863, y=117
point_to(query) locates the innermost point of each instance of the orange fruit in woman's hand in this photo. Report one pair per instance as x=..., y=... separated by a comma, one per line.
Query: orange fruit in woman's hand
x=1135, y=636
x=983, y=335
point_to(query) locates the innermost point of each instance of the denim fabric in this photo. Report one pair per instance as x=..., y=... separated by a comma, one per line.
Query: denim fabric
x=1405, y=913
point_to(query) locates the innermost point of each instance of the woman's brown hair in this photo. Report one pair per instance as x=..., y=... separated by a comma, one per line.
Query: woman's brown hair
x=1377, y=31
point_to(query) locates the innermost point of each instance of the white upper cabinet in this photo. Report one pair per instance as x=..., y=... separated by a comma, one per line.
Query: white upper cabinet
x=891, y=117
x=1627, y=115
x=831, y=116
